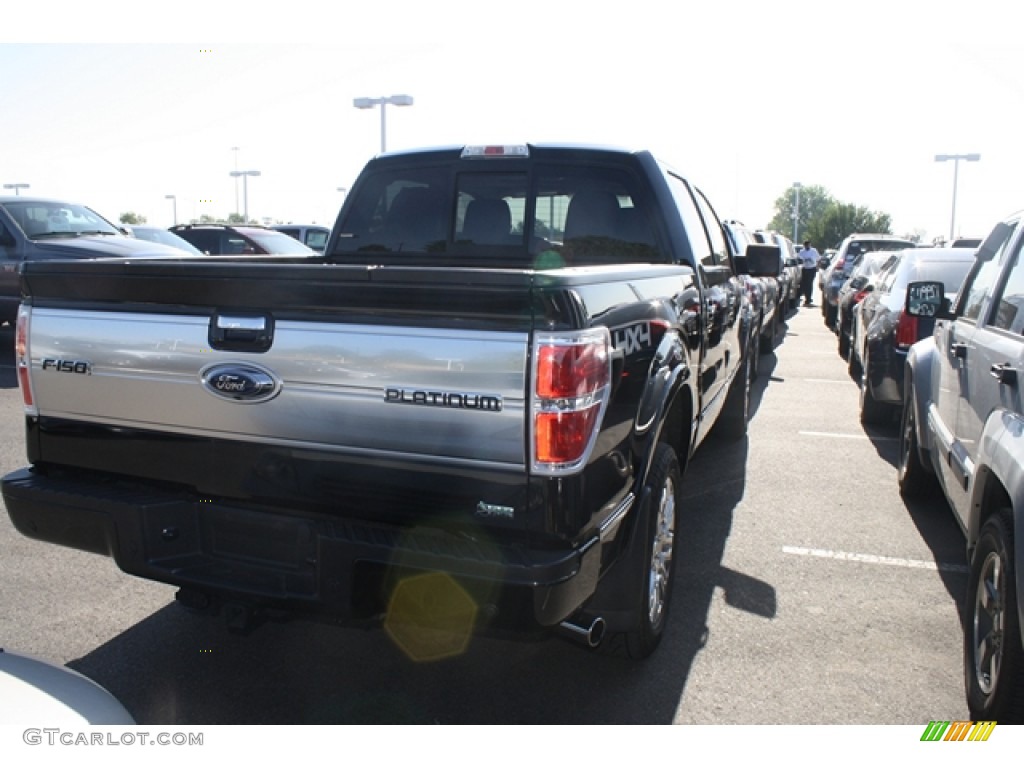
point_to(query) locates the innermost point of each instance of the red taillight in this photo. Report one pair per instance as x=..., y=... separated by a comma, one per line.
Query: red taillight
x=571, y=377
x=858, y=297
x=906, y=331
x=570, y=371
x=23, y=361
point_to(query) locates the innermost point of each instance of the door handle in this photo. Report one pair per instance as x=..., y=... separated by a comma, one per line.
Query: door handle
x=1004, y=373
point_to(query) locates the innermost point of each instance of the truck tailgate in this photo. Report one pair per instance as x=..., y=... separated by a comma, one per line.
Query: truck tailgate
x=440, y=393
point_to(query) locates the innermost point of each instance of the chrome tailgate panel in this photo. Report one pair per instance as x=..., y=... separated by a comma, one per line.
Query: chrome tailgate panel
x=437, y=393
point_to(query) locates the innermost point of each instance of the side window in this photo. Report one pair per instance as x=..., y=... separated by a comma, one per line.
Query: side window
x=235, y=244
x=316, y=240
x=6, y=238
x=205, y=240
x=700, y=246
x=714, y=228
x=981, y=281
x=1010, y=300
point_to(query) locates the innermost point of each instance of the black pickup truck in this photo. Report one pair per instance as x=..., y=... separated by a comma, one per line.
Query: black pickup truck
x=495, y=374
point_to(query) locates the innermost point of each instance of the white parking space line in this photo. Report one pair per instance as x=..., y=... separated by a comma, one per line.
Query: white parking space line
x=845, y=382
x=846, y=436
x=902, y=562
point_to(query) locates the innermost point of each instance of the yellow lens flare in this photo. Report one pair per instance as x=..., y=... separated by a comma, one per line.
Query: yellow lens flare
x=430, y=617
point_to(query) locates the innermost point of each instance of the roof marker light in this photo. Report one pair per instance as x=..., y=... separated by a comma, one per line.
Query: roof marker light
x=496, y=150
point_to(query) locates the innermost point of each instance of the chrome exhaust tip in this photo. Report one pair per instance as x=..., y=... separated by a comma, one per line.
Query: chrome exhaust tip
x=588, y=630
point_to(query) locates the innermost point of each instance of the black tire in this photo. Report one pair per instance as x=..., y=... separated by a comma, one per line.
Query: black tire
x=993, y=659
x=767, y=340
x=659, y=530
x=830, y=317
x=853, y=365
x=844, y=345
x=735, y=415
x=871, y=411
x=914, y=477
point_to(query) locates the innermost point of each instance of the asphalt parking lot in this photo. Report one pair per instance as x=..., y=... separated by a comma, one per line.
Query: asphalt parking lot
x=807, y=592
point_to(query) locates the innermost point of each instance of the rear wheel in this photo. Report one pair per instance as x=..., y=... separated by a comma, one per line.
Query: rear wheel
x=767, y=340
x=853, y=366
x=915, y=479
x=844, y=343
x=993, y=663
x=830, y=317
x=664, y=484
x=871, y=411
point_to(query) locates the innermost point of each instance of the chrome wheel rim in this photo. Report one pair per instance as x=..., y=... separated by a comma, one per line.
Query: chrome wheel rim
x=661, y=553
x=989, y=621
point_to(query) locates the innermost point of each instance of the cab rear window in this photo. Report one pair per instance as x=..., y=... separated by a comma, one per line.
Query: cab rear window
x=549, y=217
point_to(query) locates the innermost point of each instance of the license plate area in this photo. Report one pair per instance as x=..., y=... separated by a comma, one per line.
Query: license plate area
x=240, y=550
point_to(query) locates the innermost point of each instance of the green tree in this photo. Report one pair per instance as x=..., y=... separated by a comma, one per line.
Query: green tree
x=130, y=217
x=814, y=201
x=236, y=218
x=842, y=219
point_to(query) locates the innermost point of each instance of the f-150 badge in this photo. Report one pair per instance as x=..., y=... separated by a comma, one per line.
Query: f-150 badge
x=240, y=382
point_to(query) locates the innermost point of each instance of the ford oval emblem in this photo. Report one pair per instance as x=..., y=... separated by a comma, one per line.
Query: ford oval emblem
x=240, y=382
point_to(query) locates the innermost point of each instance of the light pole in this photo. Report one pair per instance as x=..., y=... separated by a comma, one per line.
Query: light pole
x=398, y=100
x=971, y=158
x=245, y=188
x=796, y=211
x=235, y=150
x=16, y=187
x=174, y=203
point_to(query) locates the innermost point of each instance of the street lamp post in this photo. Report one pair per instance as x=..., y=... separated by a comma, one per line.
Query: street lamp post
x=235, y=150
x=398, y=100
x=796, y=211
x=174, y=203
x=16, y=187
x=971, y=158
x=245, y=188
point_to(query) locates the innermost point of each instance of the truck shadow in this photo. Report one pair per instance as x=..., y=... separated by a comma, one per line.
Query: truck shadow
x=178, y=668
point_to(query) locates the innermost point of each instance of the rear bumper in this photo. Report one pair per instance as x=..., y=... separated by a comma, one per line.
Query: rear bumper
x=316, y=564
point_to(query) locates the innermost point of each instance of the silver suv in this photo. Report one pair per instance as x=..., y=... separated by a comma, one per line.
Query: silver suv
x=963, y=431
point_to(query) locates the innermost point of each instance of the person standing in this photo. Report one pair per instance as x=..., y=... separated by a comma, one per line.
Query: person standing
x=809, y=268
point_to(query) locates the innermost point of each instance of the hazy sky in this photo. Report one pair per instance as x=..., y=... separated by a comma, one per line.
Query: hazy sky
x=115, y=106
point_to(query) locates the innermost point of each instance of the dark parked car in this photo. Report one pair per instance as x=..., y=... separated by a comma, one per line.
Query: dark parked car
x=838, y=270
x=963, y=422
x=164, y=237
x=224, y=239
x=39, y=229
x=789, y=269
x=883, y=332
x=762, y=291
x=861, y=283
